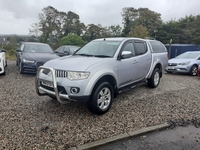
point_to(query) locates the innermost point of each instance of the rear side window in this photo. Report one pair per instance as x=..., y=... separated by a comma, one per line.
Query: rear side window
x=157, y=46
x=141, y=47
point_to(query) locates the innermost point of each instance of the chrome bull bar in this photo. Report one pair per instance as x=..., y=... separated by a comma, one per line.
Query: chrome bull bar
x=58, y=95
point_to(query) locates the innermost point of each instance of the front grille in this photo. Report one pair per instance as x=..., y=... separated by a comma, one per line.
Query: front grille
x=172, y=64
x=61, y=89
x=58, y=73
x=61, y=73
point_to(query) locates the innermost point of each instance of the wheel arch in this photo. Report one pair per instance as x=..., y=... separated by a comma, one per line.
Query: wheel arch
x=107, y=78
x=159, y=66
x=101, y=76
x=195, y=65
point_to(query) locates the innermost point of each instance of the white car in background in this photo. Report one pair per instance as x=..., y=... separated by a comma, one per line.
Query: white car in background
x=3, y=62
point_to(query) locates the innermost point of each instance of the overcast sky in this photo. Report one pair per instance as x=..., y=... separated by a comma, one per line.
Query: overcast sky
x=16, y=16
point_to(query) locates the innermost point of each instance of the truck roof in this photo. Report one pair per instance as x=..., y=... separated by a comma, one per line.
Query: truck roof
x=121, y=39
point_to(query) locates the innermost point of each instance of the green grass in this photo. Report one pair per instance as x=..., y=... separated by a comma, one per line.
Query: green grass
x=10, y=57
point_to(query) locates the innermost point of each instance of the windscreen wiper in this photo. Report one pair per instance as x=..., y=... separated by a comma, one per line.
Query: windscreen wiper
x=102, y=56
x=85, y=55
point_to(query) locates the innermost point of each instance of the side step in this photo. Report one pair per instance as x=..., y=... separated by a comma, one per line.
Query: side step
x=129, y=87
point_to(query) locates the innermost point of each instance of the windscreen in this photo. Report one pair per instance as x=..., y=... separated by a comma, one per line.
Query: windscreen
x=99, y=48
x=37, y=48
x=188, y=56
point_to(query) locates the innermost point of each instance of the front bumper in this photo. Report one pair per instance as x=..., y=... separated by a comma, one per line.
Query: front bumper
x=49, y=85
x=1, y=68
x=31, y=67
x=178, y=69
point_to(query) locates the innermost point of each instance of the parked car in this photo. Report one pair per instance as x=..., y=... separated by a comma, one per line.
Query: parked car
x=198, y=72
x=3, y=62
x=187, y=62
x=101, y=69
x=31, y=55
x=66, y=50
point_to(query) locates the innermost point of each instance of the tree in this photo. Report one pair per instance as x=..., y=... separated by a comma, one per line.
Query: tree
x=72, y=39
x=73, y=24
x=140, y=32
x=93, y=31
x=114, y=30
x=35, y=31
x=196, y=32
x=47, y=23
x=182, y=31
x=54, y=24
x=132, y=17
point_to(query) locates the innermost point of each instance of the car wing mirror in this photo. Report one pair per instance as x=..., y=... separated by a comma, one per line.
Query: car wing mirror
x=19, y=50
x=126, y=54
x=2, y=50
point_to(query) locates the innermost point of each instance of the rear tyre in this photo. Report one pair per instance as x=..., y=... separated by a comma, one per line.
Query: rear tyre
x=154, y=81
x=101, y=99
x=193, y=70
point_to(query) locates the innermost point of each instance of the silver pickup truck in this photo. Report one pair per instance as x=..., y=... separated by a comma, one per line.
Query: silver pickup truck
x=101, y=69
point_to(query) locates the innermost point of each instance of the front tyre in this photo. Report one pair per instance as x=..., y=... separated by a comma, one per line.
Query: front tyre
x=101, y=99
x=154, y=81
x=193, y=70
x=20, y=68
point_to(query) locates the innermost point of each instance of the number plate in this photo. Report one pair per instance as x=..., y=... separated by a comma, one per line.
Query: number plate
x=47, y=84
x=169, y=67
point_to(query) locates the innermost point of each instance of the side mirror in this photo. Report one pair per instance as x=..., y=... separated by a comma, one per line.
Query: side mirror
x=3, y=50
x=126, y=54
x=19, y=50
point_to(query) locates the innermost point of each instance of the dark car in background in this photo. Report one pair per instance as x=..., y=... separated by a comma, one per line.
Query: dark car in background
x=66, y=50
x=31, y=55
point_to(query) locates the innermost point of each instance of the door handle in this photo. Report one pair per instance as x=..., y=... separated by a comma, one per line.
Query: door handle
x=135, y=62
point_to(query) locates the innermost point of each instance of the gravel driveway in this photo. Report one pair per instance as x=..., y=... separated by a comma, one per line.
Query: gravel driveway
x=28, y=121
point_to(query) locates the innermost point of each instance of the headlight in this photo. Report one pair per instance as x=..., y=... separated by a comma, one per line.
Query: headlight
x=77, y=75
x=184, y=63
x=28, y=61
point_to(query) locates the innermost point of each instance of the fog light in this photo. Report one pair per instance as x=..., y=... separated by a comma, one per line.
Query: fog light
x=74, y=90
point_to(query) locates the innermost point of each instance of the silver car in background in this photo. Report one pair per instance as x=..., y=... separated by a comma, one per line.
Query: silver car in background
x=187, y=62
